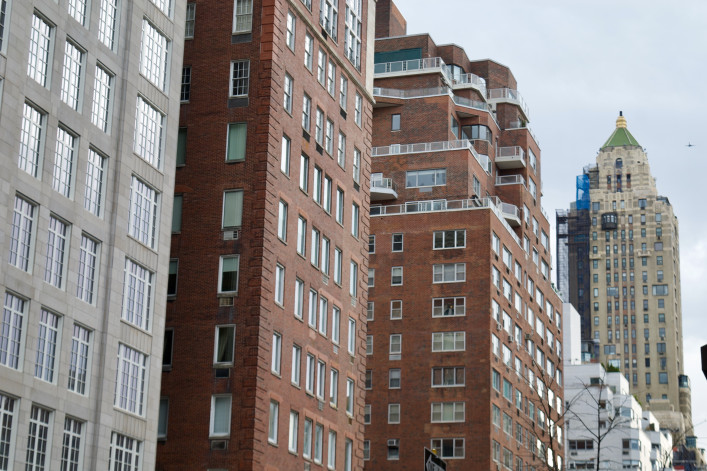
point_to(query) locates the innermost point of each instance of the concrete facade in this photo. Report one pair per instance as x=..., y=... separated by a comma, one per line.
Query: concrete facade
x=86, y=195
x=271, y=260
x=464, y=328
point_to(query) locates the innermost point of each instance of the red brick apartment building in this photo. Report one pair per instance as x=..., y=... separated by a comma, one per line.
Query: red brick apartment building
x=463, y=350
x=265, y=341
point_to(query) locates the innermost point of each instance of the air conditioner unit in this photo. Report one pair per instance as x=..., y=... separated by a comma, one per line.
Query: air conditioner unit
x=498, y=326
x=662, y=338
x=232, y=234
x=219, y=444
x=393, y=442
x=222, y=302
x=510, y=339
x=528, y=336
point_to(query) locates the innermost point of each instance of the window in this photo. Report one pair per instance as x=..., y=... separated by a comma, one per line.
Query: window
x=323, y=313
x=396, y=276
x=242, y=16
x=299, y=298
x=395, y=122
x=31, y=139
x=329, y=16
x=449, y=448
x=443, y=307
x=331, y=78
x=101, y=106
x=304, y=173
x=273, y=422
x=177, y=203
x=312, y=318
x=72, y=75
x=371, y=277
x=321, y=67
x=88, y=263
x=276, y=359
x=353, y=279
x=395, y=347
x=393, y=449
x=448, y=341
x=350, y=388
x=228, y=273
x=185, y=89
x=443, y=376
x=290, y=37
x=663, y=378
x=396, y=309
x=357, y=165
x=38, y=446
x=447, y=412
x=368, y=385
x=220, y=422
x=301, y=236
x=306, y=113
x=317, y=184
x=397, y=242
x=190, y=21
x=319, y=127
x=142, y=224
x=370, y=311
x=79, y=360
x=424, y=178
x=338, y=261
x=137, y=295
x=107, y=23
x=343, y=91
x=393, y=413
x=309, y=374
x=321, y=379
x=369, y=345
x=358, y=109
x=341, y=152
x=224, y=343
x=40, y=50
x=353, y=32
x=11, y=332
x=335, y=324
x=329, y=141
x=76, y=9
x=307, y=440
x=296, y=361
x=282, y=220
x=236, y=142
x=314, y=253
x=293, y=432
x=348, y=455
x=287, y=101
x=354, y=219
x=148, y=133
x=450, y=239
x=232, y=209
x=240, y=75
x=130, y=380
x=71, y=444
x=279, y=284
x=308, y=51
x=331, y=458
x=351, y=339
x=333, y=387
x=154, y=59
x=448, y=272
x=394, y=378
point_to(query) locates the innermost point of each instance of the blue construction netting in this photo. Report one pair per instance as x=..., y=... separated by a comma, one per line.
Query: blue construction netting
x=583, y=192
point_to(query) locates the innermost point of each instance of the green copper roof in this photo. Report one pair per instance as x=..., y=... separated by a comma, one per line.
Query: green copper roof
x=621, y=137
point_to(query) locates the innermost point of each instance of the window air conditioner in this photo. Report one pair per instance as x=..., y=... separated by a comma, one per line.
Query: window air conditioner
x=393, y=442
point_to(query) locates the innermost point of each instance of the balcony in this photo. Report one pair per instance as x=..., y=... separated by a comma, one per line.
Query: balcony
x=510, y=180
x=510, y=157
x=441, y=146
x=470, y=81
x=504, y=211
x=414, y=66
x=508, y=95
x=469, y=103
x=383, y=189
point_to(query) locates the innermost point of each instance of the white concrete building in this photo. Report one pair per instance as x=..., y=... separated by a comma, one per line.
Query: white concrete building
x=605, y=424
x=89, y=107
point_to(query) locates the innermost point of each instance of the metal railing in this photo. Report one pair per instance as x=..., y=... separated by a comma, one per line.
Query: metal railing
x=494, y=203
x=469, y=103
x=510, y=180
x=384, y=183
x=510, y=95
x=471, y=79
x=412, y=93
x=409, y=65
x=511, y=151
x=395, y=149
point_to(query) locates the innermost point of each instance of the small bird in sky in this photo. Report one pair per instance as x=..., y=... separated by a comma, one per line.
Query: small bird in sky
x=689, y=145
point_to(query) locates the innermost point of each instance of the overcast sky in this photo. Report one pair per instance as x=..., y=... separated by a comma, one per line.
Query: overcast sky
x=577, y=64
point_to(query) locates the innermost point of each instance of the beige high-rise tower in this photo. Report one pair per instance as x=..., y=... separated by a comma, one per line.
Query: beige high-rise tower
x=632, y=306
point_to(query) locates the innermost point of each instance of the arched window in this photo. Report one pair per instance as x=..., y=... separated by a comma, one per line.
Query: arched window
x=619, y=163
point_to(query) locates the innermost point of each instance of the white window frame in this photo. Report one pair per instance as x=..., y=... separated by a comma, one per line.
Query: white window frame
x=439, y=273
x=224, y=345
x=443, y=375
x=72, y=444
x=80, y=360
x=39, y=438
x=40, y=50
x=440, y=306
x=290, y=33
x=64, y=162
x=285, y=155
x=154, y=55
x=32, y=137
x=108, y=23
x=144, y=210
x=130, y=380
x=273, y=422
x=439, y=409
x=95, y=182
x=12, y=335
x=293, y=432
x=217, y=429
x=242, y=16
x=221, y=272
x=276, y=354
x=240, y=77
x=72, y=75
x=449, y=341
x=88, y=275
x=282, y=220
x=296, y=370
x=48, y=340
x=287, y=89
x=440, y=239
x=351, y=337
x=138, y=295
x=149, y=123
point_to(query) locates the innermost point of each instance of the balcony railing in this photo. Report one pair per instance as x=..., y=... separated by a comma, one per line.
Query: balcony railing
x=411, y=93
x=383, y=183
x=510, y=180
x=512, y=151
x=508, y=94
x=413, y=65
x=500, y=209
x=473, y=80
x=399, y=149
x=469, y=103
